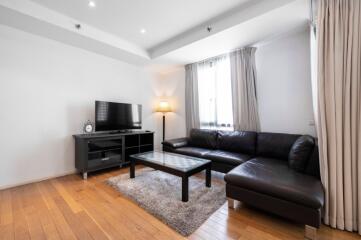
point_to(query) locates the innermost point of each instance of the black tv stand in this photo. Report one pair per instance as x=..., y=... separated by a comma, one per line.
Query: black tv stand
x=102, y=150
x=120, y=131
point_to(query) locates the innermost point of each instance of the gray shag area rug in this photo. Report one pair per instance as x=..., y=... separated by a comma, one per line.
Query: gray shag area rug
x=160, y=193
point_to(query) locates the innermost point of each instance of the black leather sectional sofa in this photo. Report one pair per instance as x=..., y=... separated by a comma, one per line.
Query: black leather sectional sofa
x=276, y=172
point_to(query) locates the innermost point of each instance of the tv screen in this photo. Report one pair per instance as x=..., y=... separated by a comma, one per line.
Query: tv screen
x=117, y=116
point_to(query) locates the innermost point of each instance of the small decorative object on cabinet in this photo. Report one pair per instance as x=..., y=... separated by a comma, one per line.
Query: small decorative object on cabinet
x=88, y=127
x=104, y=150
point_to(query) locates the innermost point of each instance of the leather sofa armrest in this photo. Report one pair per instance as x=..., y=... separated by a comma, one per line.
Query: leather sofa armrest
x=176, y=143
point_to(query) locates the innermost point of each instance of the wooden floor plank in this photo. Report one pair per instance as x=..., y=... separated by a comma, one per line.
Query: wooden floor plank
x=21, y=231
x=49, y=194
x=47, y=222
x=7, y=232
x=6, y=208
x=72, y=219
x=32, y=215
x=96, y=232
x=90, y=196
x=111, y=199
x=116, y=229
x=73, y=205
x=70, y=208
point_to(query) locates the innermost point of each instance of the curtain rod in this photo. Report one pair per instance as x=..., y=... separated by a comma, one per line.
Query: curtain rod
x=220, y=55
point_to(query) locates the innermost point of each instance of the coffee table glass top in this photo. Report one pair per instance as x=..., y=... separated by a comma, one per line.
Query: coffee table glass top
x=171, y=160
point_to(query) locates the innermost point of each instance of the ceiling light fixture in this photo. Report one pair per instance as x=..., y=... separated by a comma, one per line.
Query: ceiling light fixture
x=92, y=4
x=143, y=31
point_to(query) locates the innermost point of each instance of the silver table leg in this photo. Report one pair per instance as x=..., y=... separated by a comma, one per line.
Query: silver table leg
x=310, y=232
x=85, y=175
x=231, y=203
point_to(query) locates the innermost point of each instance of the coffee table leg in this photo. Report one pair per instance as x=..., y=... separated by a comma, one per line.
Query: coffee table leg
x=185, y=189
x=208, y=176
x=132, y=168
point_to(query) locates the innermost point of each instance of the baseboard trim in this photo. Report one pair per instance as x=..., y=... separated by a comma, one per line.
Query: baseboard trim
x=37, y=180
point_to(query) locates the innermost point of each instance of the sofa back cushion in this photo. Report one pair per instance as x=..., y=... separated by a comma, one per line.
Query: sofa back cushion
x=238, y=141
x=313, y=164
x=275, y=145
x=203, y=138
x=300, y=153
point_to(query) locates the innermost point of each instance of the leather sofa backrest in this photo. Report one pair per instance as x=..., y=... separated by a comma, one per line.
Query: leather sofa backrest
x=238, y=141
x=313, y=165
x=275, y=145
x=203, y=138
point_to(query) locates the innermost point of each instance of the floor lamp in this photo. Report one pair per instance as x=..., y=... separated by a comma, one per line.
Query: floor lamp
x=163, y=107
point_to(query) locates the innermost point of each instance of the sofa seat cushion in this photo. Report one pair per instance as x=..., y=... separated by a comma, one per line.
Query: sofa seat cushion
x=192, y=151
x=273, y=177
x=230, y=158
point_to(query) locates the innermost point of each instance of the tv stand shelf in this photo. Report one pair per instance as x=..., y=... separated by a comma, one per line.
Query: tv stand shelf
x=103, y=150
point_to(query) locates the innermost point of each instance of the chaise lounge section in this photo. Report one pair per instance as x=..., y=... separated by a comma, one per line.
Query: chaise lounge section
x=276, y=172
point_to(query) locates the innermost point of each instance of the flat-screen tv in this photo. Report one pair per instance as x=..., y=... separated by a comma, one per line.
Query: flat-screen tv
x=110, y=116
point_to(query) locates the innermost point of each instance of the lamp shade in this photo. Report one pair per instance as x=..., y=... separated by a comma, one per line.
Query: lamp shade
x=163, y=107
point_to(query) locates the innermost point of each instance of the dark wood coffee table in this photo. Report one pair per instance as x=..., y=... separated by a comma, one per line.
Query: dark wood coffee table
x=175, y=164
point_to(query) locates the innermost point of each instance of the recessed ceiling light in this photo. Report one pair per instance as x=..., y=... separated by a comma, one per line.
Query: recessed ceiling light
x=143, y=31
x=92, y=4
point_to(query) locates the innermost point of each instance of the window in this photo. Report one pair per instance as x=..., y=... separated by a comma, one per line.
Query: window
x=215, y=94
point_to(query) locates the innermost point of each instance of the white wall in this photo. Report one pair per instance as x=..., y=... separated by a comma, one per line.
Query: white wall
x=47, y=92
x=171, y=87
x=284, y=84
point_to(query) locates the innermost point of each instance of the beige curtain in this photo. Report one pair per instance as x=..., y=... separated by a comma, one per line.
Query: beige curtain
x=191, y=97
x=244, y=99
x=339, y=106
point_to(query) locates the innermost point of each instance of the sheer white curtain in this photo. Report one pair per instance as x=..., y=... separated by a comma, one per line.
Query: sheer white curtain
x=314, y=60
x=244, y=99
x=215, y=93
x=313, y=45
x=191, y=97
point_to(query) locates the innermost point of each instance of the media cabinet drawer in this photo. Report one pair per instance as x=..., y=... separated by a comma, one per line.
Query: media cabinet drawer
x=102, y=145
x=106, y=160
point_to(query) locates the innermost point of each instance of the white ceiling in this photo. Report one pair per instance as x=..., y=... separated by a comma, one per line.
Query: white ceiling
x=176, y=29
x=255, y=31
x=162, y=19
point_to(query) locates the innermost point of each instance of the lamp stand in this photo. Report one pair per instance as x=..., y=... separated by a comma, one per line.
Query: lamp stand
x=163, y=127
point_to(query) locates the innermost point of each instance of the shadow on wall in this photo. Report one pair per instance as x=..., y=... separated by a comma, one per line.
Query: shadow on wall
x=167, y=88
x=170, y=88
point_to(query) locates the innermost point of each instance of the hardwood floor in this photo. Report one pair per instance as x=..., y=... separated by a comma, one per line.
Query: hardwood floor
x=70, y=208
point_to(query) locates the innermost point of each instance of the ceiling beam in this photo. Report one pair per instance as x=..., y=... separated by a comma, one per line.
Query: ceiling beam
x=239, y=15
x=36, y=19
